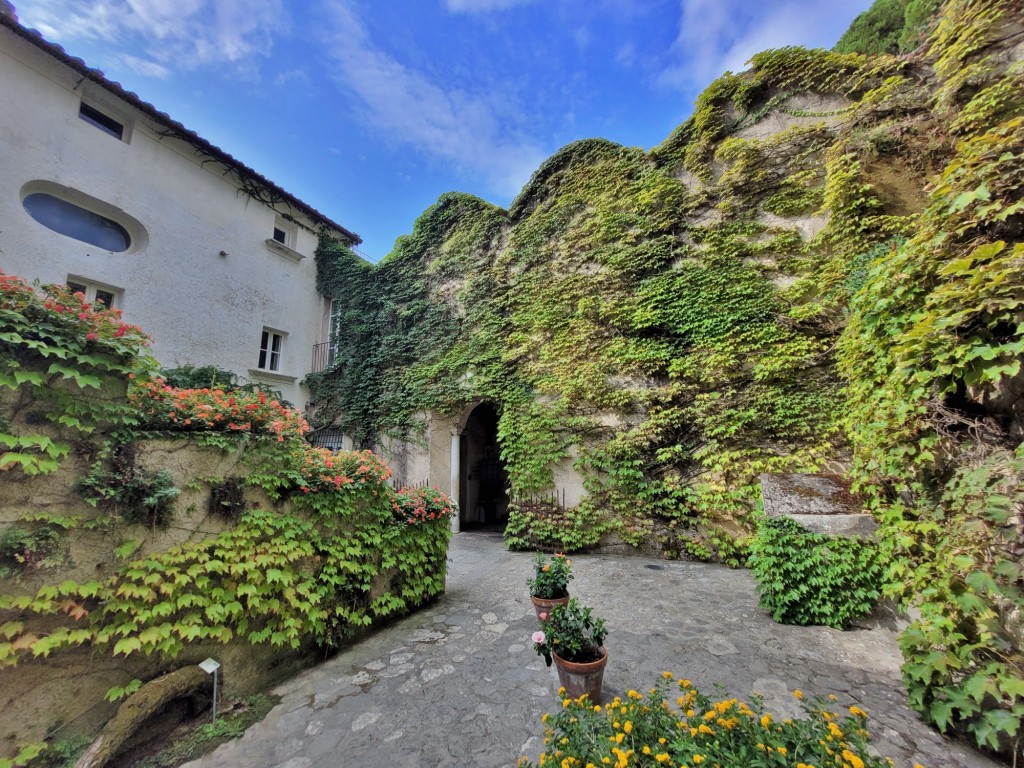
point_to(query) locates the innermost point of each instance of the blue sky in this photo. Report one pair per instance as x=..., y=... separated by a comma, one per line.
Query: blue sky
x=370, y=109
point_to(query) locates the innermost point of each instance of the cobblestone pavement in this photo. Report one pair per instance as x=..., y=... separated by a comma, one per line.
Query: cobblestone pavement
x=458, y=684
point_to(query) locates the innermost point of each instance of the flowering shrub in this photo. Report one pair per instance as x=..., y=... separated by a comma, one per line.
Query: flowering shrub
x=422, y=505
x=57, y=314
x=344, y=470
x=70, y=356
x=571, y=633
x=551, y=579
x=686, y=729
x=165, y=407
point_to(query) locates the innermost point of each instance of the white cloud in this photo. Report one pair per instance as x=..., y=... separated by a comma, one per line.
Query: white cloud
x=144, y=67
x=482, y=6
x=471, y=128
x=719, y=35
x=179, y=34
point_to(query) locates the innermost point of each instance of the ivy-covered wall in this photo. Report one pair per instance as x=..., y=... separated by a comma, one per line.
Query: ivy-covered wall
x=820, y=269
x=144, y=526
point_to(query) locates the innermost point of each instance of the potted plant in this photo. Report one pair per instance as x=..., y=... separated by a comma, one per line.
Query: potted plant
x=550, y=584
x=574, y=640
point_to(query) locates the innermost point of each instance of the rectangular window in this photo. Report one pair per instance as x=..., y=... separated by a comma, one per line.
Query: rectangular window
x=96, y=294
x=332, y=332
x=281, y=236
x=271, y=344
x=105, y=123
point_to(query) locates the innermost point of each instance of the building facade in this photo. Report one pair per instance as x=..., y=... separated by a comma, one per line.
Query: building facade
x=100, y=191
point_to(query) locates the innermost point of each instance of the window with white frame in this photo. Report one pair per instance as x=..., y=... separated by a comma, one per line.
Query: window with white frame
x=284, y=232
x=271, y=349
x=96, y=293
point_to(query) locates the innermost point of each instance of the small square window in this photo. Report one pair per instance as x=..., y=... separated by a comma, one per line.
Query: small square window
x=105, y=123
x=98, y=295
x=271, y=348
x=285, y=231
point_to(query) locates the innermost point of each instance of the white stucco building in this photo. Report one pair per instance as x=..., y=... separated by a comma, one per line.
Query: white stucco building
x=103, y=192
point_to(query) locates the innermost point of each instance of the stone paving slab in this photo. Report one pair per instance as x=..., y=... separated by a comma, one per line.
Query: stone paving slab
x=458, y=684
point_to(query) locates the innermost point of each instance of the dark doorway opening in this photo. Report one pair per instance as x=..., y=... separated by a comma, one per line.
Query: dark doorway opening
x=483, y=477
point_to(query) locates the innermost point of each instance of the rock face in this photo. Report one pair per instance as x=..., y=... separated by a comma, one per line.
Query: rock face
x=820, y=503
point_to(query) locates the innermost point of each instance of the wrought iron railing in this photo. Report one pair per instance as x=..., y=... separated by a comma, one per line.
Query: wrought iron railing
x=323, y=356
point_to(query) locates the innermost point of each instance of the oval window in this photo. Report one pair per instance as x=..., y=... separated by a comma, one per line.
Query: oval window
x=74, y=221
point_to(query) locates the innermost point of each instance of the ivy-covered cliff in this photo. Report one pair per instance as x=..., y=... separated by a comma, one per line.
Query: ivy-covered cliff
x=820, y=269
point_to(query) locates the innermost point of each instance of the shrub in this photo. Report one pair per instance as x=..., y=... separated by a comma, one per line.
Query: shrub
x=813, y=578
x=551, y=579
x=693, y=730
x=422, y=505
x=139, y=495
x=164, y=407
x=571, y=633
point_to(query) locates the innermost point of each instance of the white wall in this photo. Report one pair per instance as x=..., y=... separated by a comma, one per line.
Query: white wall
x=199, y=307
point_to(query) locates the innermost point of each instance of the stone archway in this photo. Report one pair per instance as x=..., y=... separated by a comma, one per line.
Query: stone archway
x=483, y=479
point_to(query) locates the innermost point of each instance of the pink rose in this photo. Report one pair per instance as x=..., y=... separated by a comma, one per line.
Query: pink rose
x=538, y=636
x=542, y=616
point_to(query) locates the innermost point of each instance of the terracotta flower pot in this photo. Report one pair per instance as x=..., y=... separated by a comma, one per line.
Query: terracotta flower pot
x=544, y=605
x=578, y=679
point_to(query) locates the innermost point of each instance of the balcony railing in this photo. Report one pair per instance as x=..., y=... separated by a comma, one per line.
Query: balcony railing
x=323, y=356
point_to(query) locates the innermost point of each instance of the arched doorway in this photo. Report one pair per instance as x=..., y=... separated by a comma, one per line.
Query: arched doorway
x=483, y=479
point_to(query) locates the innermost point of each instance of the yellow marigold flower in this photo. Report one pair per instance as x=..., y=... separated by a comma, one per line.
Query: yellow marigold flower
x=619, y=737
x=662, y=740
x=667, y=675
x=693, y=731
x=832, y=697
x=615, y=702
x=835, y=730
x=852, y=759
x=858, y=712
x=597, y=707
x=566, y=703
x=646, y=750
x=709, y=715
x=546, y=568
x=565, y=740
x=781, y=750
x=798, y=694
x=522, y=760
x=561, y=691
x=616, y=724
x=689, y=713
x=545, y=717
x=628, y=727
x=606, y=761
x=662, y=757
x=591, y=765
x=698, y=759
x=685, y=683
x=766, y=719
x=633, y=694
x=623, y=710
x=705, y=729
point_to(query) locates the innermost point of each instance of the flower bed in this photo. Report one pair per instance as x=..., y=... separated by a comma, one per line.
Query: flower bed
x=686, y=729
